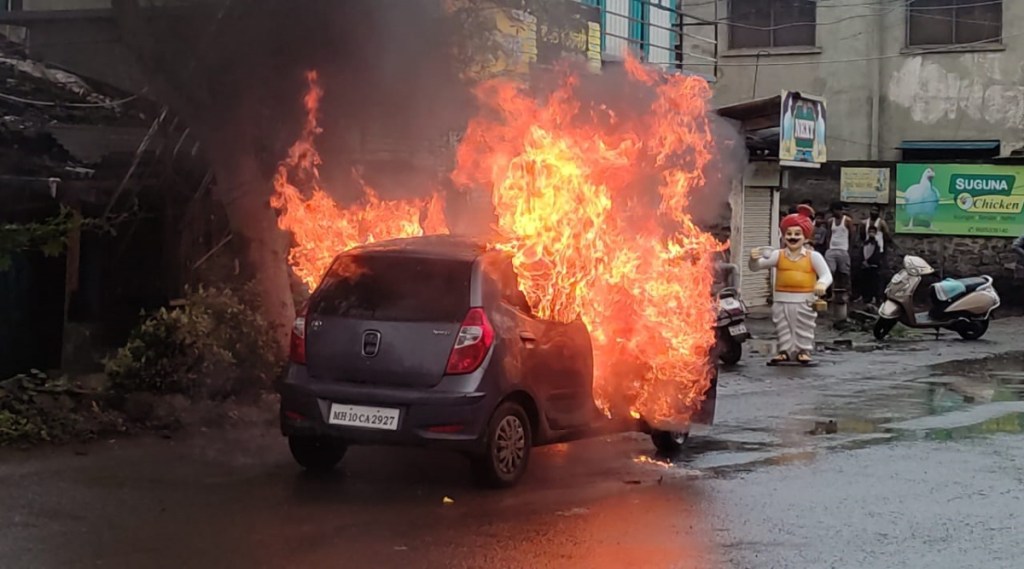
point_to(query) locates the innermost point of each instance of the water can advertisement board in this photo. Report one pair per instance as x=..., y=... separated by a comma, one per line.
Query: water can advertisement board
x=960, y=199
x=802, y=130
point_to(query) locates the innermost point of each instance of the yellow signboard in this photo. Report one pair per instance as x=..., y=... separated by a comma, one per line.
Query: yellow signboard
x=521, y=39
x=864, y=185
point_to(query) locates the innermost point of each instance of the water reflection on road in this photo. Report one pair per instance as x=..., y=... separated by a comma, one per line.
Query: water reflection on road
x=236, y=500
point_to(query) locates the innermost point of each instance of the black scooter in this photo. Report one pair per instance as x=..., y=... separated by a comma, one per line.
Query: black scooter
x=730, y=329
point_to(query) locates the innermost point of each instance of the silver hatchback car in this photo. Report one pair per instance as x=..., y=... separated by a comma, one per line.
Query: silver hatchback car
x=429, y=341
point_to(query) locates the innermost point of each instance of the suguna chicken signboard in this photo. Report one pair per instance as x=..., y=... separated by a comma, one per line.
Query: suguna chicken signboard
x=960, y=199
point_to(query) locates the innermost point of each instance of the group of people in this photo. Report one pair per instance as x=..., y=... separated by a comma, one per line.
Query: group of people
x=833, y=238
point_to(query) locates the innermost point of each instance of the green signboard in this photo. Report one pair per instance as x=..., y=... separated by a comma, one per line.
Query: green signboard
x=960, y=199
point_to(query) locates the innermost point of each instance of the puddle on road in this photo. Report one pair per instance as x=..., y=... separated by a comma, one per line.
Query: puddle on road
x=952, y=400
x=958, y=399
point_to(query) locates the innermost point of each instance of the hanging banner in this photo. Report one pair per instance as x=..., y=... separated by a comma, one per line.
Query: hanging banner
x=864, y=185
x=568, y=28
x=802, y=130
x=960, y=199
x=541, y=34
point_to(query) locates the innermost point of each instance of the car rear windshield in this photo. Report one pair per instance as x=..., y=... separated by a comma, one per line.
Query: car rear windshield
x=389, y=287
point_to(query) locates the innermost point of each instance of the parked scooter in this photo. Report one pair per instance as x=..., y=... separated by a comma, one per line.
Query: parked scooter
x=962, y=305
x=730, y=329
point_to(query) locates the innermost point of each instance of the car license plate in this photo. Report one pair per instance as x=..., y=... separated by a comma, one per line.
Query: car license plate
x=738, y=329
x=383, y=418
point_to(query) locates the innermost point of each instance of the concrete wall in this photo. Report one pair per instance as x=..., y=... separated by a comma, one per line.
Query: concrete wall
x=967, y=93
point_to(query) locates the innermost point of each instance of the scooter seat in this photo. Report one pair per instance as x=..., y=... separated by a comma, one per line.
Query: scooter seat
x=972, y=284
x=945, y=293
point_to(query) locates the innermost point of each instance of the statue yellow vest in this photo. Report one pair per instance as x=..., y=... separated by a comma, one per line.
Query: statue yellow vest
x=795, y=276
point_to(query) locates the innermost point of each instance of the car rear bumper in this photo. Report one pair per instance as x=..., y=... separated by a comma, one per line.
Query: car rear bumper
x=460, y=416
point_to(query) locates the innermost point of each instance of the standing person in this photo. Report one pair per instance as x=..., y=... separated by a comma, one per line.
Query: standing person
x=800, y=274
x=1018, y=249
x=838, y=254
x=875, y=220
x=870, y=283
x=820, y=233
x=727, y=275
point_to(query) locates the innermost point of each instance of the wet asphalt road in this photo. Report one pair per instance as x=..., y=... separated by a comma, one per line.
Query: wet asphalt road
x=924, y=471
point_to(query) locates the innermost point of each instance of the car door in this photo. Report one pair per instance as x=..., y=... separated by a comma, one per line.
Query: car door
x=556, y=359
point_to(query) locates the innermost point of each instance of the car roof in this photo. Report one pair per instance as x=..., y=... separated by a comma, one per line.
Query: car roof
x=431, y=246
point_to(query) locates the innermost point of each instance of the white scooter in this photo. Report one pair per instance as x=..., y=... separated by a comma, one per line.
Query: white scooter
x=962, y=305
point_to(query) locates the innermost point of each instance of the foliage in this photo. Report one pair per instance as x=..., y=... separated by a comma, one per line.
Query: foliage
x=48, y=236
x=213, y=345
x=35, y=407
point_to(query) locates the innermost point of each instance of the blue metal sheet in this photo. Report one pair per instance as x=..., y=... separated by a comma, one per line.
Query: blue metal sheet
x=948, y=145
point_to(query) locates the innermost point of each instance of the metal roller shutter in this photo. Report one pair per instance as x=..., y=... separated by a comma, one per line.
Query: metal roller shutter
x=757, y=232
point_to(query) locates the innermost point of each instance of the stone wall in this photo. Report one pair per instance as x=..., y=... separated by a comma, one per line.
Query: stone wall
x=952, y=256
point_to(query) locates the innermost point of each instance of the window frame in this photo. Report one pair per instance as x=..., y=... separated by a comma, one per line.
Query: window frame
x=953, y=44
x=772, y=7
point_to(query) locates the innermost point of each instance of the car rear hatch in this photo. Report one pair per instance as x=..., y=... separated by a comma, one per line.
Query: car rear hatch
x=387, y=319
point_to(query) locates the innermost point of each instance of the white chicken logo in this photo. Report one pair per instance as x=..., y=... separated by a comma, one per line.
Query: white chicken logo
x=922, y=199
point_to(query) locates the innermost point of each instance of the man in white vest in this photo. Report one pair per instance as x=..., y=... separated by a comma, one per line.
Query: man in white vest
x=837, y=256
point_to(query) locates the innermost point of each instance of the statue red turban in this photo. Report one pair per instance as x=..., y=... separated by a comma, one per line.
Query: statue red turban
x=806, y=210
x=798, y=220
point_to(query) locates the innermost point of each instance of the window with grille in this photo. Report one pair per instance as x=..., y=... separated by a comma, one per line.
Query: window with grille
x=954, y=22
x=772, y=23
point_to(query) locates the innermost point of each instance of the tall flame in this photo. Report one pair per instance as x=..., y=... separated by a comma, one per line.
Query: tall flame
x=320, y=227
x=567, y=180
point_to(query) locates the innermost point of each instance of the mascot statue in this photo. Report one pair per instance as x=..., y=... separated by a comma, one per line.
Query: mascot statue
x=800, y=275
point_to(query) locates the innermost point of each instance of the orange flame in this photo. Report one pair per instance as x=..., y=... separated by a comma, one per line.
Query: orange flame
x=319, y=226
x=564, y=178
x=652, y=461
x=567, y=180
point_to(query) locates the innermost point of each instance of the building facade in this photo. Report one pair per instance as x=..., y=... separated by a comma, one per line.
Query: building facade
x=910, y=86
x=892, y=71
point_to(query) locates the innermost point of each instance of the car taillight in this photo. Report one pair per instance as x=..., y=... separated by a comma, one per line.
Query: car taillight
x=471, y=346
x=297, y=346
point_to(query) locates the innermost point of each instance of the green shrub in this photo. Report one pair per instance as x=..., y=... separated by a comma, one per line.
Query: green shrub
x=35, y=407
x=212, y=346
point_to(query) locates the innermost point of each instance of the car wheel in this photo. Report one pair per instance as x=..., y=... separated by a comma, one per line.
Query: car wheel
x=883, y=326
x=317, y=454
x=669, y=442
x=507, y=453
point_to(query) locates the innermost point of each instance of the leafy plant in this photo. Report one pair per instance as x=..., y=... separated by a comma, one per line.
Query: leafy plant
x=213, y=345
x=35, y=407
x=48, y=236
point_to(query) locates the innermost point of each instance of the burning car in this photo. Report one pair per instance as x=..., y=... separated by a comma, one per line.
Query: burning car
x=429, y=341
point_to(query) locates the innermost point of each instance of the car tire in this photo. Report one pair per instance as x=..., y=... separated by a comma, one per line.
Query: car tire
x=669, y=443
x=317, y=454
x=507, y=449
